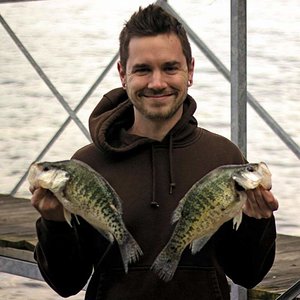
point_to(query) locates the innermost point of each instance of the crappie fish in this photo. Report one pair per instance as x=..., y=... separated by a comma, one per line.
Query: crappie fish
x=84, y=192
x=216, y=198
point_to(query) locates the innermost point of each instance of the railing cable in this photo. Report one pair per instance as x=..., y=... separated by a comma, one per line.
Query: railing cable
x=284, y=136
x=67, y=121
x=44, y=77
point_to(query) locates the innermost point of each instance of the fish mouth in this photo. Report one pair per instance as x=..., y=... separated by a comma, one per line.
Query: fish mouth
x=42, y=175
x=238, y=187
x=245, y=181
x=253, y=176
x=266, y=181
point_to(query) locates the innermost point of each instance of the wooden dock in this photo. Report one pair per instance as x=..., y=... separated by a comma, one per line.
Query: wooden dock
x=285, y=271
x=18, y=238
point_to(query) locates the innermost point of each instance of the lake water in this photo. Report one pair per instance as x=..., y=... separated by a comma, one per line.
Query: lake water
x=73, y=41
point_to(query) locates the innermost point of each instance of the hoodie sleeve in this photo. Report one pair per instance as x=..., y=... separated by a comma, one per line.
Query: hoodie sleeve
x=248, y=253
x=64, y=255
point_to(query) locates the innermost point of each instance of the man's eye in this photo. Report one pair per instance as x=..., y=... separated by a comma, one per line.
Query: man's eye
x=142, y=71
x=171, y=69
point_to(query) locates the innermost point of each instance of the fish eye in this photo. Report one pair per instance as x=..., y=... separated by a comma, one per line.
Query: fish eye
x=250, y=169
x=46, y=168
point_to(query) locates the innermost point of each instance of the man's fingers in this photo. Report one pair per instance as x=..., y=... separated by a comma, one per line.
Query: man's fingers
x=260, y=203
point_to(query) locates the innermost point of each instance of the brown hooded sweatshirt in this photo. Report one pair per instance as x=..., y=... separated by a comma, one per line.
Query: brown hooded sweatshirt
x=151, y=177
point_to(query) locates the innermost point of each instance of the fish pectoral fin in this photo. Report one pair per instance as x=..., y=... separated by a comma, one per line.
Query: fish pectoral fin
x=237, y=220
x=115, y=208
x=198, y=244
x=177, y=212
x=68, y=217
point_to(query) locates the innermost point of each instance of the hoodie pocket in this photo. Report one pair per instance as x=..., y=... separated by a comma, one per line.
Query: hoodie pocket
x=188, y=283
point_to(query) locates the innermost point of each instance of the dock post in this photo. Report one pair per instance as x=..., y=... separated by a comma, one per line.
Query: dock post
x=238, y=78
x=239, y=74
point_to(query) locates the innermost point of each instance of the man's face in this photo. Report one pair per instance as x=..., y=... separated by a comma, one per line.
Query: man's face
x=157, y=76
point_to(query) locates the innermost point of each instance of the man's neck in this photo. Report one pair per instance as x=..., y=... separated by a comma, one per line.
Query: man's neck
x=153, y=129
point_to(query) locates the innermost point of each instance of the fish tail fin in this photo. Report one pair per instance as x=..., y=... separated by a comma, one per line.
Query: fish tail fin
x=130, y=250
x=165, y=265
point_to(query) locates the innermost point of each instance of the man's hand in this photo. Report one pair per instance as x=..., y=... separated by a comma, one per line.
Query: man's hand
x=47, y=204
x=260, y=203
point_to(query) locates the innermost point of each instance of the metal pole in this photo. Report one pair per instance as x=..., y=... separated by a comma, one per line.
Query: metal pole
x=291, y=293
x=15, y=1
x=238, y=292
x=290, y=143
x=238, y=79
x=239, y=74
x=19, y=267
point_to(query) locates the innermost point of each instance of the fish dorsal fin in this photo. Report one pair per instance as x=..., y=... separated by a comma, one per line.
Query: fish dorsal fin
x=199, y=243
x=178, y=210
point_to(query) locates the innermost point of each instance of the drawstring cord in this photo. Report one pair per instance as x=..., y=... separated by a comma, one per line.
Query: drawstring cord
x=172, y=183
x=153, y=203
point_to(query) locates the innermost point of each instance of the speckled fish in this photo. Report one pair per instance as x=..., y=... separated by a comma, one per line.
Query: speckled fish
x=84, y=192
x=213, y=200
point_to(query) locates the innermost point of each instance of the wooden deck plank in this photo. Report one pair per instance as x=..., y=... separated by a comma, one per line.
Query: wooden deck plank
x=285, y=271
x=17, y=220
x=18, y=238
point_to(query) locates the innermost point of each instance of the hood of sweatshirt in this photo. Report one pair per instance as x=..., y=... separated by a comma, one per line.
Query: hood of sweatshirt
x=114, y=115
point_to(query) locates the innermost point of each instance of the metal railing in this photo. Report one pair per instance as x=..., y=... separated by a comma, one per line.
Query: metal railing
x=238, y=10
x=239, y=94
x=239, y=99
x=291, y=293
x=60, y=98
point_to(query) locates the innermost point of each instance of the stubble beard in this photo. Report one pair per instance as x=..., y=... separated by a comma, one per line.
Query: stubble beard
x=161, y=114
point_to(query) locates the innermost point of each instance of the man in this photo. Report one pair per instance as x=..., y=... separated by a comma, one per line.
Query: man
x=146, y=143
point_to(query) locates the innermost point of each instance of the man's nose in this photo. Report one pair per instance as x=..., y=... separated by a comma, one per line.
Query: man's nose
x=157, y=81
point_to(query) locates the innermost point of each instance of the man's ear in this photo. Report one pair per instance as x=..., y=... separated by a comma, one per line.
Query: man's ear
x=122, y=74
x=191, y=72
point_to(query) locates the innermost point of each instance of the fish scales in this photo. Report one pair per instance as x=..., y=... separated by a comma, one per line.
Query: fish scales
x=207, y=202
x=82, y=191
x=89, y=196
x=216, y=198
x=94, y=199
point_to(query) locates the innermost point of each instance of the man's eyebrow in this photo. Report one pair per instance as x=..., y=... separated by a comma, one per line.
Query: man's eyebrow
x=169, y=63
x=137, y=66
x=172, y=63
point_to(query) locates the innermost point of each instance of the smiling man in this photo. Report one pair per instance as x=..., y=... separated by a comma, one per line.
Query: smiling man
x=148, y=146
x=156, y=77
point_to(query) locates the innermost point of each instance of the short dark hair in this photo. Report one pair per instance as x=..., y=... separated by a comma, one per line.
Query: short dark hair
x=151, y=21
